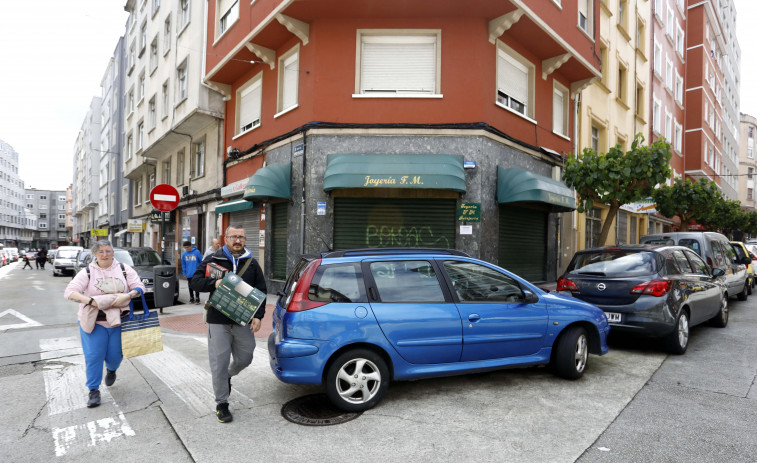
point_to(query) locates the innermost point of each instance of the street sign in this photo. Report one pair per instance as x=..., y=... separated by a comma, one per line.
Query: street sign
x=164, y=197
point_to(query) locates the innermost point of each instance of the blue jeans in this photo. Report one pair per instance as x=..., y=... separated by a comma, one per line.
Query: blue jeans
x=101, y=345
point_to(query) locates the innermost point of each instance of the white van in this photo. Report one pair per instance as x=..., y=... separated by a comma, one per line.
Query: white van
x=65, y=256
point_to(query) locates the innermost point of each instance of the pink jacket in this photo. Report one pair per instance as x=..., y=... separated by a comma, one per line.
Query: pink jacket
x=102, y=285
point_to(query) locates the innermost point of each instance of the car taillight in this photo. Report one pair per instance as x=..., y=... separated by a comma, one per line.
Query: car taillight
x=300, y=299
x=563, y=284
x=653, y=288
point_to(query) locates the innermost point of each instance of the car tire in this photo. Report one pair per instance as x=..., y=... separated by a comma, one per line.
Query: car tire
x=743, y=294
x=571, y=353
x=678, y=339
x=721, y=319
x=357, y=380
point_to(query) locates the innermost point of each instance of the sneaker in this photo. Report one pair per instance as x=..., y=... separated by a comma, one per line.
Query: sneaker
x=110, y=377
x=94, y=398
x=191, y=301
x=222, y=413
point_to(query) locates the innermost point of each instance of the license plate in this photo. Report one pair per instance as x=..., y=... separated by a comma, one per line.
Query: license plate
x=613, y=317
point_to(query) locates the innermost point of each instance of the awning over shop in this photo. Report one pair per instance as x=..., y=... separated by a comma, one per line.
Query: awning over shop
x=119, y=233
x=516, y=185
x=438, y=171
x=272, y=181
x=233, y=206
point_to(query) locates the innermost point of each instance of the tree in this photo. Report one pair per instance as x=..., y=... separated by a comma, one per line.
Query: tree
x=617, y=178
x=724, y=215
x=686, y=199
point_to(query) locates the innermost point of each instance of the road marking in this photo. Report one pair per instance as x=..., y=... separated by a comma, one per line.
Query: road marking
x=28, y=321
x=65, y=381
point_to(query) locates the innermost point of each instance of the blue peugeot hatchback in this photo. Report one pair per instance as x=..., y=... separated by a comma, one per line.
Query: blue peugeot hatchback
x=354, y=320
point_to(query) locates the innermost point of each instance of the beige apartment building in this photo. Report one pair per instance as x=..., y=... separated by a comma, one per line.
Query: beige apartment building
x=747, y=164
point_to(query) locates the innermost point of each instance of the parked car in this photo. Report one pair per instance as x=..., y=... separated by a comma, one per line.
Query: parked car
x=655, y=291
x=81, y=260
x=143, y=260
x=716, y=250
x=64, y=259
x=743, y=253
x=2, y=258
x=14, y=254
x=354, y=320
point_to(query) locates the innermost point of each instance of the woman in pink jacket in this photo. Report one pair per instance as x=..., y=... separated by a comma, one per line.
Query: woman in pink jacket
x=103, y=295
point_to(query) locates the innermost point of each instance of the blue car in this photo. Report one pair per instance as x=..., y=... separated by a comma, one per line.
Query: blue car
x=355, y=320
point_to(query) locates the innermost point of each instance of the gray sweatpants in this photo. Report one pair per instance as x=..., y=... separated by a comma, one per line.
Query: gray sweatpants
x=224, y=342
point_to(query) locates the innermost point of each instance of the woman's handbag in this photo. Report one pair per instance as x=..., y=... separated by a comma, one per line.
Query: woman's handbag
x=140, y=334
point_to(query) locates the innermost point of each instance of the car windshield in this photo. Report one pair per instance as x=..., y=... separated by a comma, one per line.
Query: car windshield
x=145, y=257
x=123, y=257
x=615, y=263
x=66, y=254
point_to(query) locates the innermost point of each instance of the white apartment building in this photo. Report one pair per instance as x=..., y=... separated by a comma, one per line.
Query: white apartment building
x=729, y=97
x=86, y=184
x=11, y=198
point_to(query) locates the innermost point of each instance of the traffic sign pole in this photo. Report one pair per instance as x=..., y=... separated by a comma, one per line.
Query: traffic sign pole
x=164, y=198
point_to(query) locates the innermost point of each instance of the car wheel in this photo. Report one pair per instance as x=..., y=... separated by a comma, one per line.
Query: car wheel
x=357, y=380
x=743, y=294
x=571, y=353
x=721, y=319
x=678, y=340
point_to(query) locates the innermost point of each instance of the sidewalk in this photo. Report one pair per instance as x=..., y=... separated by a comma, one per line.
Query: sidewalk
x=187, y=318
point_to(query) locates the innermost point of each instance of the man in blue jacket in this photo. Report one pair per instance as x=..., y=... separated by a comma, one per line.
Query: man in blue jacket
x=190, y=259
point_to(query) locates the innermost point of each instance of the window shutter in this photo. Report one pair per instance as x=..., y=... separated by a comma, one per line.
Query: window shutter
x=291, y=74
x=249, y=106
x=398, y=64
x=558, y=115
x=223, y=7
x=512, y=78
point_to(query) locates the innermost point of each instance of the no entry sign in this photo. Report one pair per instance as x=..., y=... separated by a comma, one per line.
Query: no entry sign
x=164, y=197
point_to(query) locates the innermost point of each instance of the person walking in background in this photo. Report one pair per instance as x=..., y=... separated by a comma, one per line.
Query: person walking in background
x=103, y=291
x=227, y=339
x=214, y=245
x=190, y=259
x=41, y=258
x=26, y=262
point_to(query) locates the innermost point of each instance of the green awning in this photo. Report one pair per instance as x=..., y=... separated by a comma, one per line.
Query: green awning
x=233, y=206
x=272, y=181
x=438, y=171
x=516, y=185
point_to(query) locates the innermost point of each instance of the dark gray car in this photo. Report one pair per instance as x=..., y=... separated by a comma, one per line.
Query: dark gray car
x=655, y=291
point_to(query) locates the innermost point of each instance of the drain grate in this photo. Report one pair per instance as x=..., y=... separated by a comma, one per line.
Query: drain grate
x=315, y=410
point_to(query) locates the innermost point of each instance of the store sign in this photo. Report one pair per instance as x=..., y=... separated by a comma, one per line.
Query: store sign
x=99, y=232
x=234, y=189
x=134, y=225
x=469, y=212
x=645, y=206
x=393, y=180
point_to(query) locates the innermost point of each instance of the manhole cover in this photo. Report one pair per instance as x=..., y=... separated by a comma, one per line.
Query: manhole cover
x=315, y=410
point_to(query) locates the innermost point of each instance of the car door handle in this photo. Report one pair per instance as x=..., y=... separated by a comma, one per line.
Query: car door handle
x=474, y=317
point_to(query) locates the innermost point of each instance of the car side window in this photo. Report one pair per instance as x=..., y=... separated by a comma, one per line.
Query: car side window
x=697, y=264
x=337, y=283
x=691, y=244
x=406, y=281
x=478, y=283
x=681, y=262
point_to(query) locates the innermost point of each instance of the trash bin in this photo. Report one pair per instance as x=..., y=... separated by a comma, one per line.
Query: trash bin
x=164, y=277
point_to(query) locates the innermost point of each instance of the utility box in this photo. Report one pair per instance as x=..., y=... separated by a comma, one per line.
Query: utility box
x=165, y=282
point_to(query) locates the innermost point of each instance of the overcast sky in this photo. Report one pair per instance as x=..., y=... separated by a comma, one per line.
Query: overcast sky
x=53, y=55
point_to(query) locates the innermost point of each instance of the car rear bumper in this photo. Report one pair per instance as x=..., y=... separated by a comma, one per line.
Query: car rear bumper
x=296, y=361
x=653, y=318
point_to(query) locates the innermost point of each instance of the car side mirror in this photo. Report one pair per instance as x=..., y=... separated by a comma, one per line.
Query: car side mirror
x=530, y=297
x=745, y=260
x=718, y=272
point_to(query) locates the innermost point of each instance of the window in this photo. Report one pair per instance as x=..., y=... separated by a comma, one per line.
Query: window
x=155, y=6
x=750, y=173
x=657, y=58
x=152, y=109
x=138, y=193
x=560, y=107
x=150, y=182
x=585, y=15
x=197, y=168
x=140, y=135
x=249, y=104
x=604, y=63
x=679, y=88
x=154, y=54
x=749, y=194
x=595, y=133
x=622, y=84
x=180, y=168
x=166, y=101
x=668, y=73
x=129, y=146
x=132, y=57
x=641, y=37
x=670, y=25
x=476, y=283
x=167, y=35
x=337, y=283
x=657, y=116
x=639, y=101
x=289, y=71
x=406, y=281
x=668, y=126
x=142, y=38
x=124, y=197
x=658, y=9
x=679, y=40
x=167, y=171
x=229, y=13
x=623, y=14
x=130, y=102
x=593, y=227
x=395, y=65
x=515, y=81
x=181, y=78
x=184, y=13
x=141, y=88
x=679, y=137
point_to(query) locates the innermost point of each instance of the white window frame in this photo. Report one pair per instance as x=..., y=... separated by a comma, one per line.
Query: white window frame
x=679, y=88
x=252, y=94
x=182, y=85
x=560, y=109
x=668, y=73
x=185, y=14
x=657, y=58
x=289, y=78
x=379, y=45
x=167, y=35
x=198, y=156
x=586, y=16
x=656, y=115
x=227, y=16
x=508, y=97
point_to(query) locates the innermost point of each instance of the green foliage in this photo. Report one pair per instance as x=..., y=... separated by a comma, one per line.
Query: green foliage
x=616, y=177
x=689, y=201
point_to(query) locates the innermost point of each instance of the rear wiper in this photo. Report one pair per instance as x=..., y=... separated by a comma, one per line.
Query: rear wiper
x=601, y=274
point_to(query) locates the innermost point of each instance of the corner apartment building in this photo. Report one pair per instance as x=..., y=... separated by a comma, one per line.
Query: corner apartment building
x=173, y=122
x=730, y=98
x=50, y=208
x=11, y=198
x=380, y=123
x=86, y=184
x=613, y=109
x=747, y=162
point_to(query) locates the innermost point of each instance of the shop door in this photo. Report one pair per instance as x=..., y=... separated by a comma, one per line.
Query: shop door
x=393, y=223
x=523, y=242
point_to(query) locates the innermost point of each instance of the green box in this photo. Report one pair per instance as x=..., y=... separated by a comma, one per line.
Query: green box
x=236, y=299
x=469, y=212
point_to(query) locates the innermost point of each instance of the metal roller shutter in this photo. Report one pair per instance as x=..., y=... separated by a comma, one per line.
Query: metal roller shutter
x=250, y=219
x=392, y=223
x=279, y=242
x=523, y=242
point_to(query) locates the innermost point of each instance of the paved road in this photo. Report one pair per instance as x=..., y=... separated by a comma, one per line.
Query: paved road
x=634, y=404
